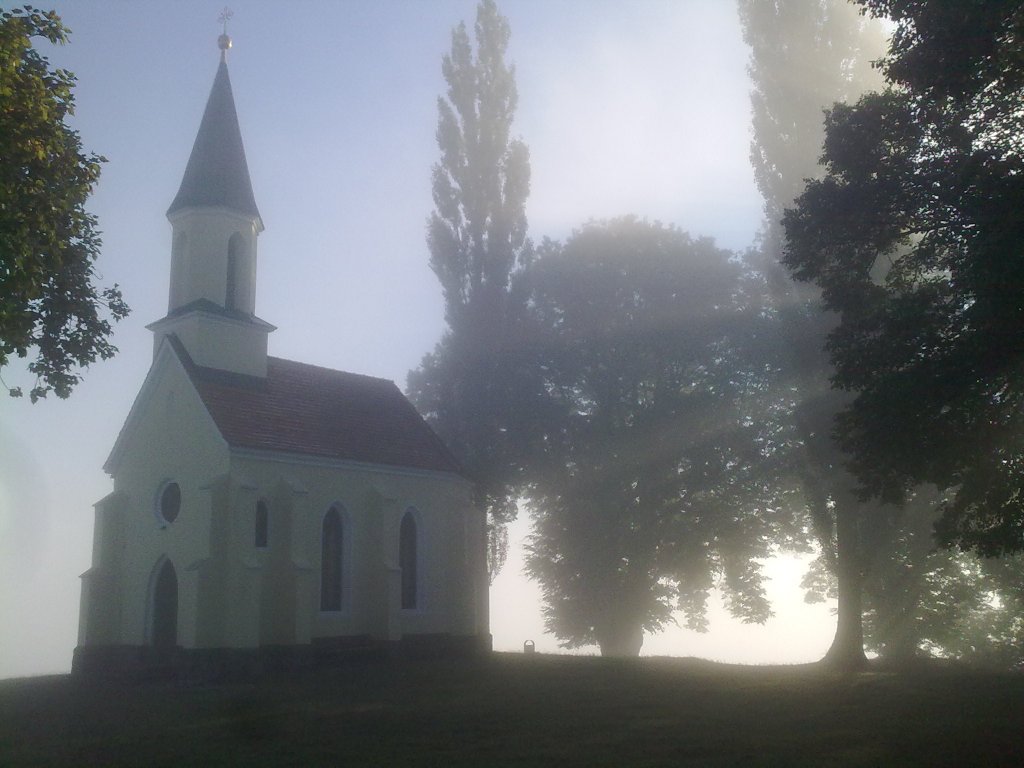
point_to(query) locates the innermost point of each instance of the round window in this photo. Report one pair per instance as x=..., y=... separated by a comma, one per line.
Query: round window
x=169, y=503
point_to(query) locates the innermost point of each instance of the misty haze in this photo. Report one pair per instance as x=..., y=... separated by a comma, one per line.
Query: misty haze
x=385, y=379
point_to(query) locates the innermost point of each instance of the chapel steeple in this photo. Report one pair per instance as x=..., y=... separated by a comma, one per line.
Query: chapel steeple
x=217, y=175
x=214, y=226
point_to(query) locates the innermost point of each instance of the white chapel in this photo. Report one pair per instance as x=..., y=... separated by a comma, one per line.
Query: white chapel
x=264, y=508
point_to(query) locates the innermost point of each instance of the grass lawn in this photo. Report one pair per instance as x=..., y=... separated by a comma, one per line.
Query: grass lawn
x=516, y=710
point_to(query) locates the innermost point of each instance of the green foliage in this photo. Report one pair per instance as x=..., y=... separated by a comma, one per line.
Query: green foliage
x=921, y=598
x=971, y=609
x=914, y=237
x=48, y=241
x=654, y=467
x=805, y=55
x=477, y=233
x=477, y=237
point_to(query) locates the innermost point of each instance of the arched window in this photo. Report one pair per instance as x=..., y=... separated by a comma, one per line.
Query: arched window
x=260, y=525
x=331, y=570
x=178, y=270
x=180, y=243
x=163, y=607
x=408, y=560
x=231, y=296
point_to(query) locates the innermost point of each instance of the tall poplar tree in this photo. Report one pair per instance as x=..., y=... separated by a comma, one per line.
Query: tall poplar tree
x=806, y=55
x=477, y=236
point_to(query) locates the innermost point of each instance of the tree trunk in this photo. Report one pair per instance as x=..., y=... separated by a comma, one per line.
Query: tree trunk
x=899, y=637
x=847, y=651
x=621, y=640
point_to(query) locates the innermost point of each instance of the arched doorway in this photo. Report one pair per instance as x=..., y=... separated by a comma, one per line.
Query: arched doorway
x=164, y=607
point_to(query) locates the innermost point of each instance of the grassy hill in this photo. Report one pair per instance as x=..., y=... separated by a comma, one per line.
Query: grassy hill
x=515, y=710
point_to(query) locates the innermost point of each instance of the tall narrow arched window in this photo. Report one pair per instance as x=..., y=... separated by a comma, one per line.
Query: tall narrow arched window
x=408, y=561
x=261, y=524
x=232, y=296
x=179, y=245
x=331, y=561
x=178, y=271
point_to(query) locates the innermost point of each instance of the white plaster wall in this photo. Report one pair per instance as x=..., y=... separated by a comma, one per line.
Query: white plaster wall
x=245, y=591
x=242, y=598
x=451, y=546
x=99, y=617
x=199, y=268
x=169, y=436
x=216, y=341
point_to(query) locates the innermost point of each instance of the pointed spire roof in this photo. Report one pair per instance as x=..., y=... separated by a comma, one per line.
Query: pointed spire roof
x=217, y=175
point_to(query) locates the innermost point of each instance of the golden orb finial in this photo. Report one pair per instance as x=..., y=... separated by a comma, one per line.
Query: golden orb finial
x=224, y=41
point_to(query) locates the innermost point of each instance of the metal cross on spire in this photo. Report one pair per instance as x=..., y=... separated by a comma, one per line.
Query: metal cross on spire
x=224, y=42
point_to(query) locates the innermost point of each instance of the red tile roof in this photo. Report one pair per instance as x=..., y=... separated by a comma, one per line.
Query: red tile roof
x=315, y=411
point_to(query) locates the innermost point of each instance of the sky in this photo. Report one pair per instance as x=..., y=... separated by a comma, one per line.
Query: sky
x=627, y=106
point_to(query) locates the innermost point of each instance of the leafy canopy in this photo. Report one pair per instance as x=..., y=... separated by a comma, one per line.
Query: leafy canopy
x=804, y=56
x=48, y=241
x=915, y=237
x=653, y=469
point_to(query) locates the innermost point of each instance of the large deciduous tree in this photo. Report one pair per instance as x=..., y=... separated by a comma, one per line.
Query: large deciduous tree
x=915, y=236
x=650, y=478
x=477, y=237
x=49, y=243
x=805, y=55
x=953, y=603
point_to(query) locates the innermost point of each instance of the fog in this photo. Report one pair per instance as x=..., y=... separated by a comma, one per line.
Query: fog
x=640, y=108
